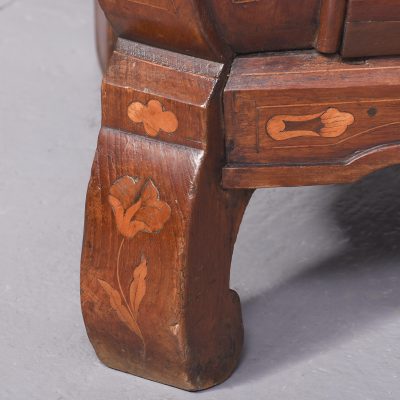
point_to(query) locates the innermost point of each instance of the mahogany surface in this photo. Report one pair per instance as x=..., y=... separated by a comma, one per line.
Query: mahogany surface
x=266, y=25
x=190, y=127
x=297, y=108
x=155, y=303
x=105, y=38
x=372, y=28
x=331, y=25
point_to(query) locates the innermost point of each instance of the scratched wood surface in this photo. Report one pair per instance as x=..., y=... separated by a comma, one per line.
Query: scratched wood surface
x=159, y=228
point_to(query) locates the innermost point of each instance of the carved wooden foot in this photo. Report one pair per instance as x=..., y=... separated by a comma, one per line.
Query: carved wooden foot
x=159, y=230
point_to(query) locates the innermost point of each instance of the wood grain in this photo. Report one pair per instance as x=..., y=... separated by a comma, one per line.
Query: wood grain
x=182, y=148
x=348, y=171
x=364, y=10
x=180, y=25
x=331, y=25
x=263, y=90
x=372, y=28
x=153, y=117
x=159, y=228
x=105, y=37
x=134, y=77
x=365, y=39
x=265, y=25
x=215, y=29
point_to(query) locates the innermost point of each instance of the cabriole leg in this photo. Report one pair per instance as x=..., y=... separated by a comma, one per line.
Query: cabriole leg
x=159, y=230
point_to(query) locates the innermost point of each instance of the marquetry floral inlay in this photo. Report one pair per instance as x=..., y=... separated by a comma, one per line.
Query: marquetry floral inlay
x=128, y=311
x=137, y=208
x=328, y=124
x=153, y=117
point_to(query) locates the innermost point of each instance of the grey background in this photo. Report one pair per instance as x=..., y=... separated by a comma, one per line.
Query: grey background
x=317, y=268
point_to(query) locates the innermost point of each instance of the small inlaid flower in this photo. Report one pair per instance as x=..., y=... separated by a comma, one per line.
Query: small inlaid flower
x=137, y=207
x=153, y=117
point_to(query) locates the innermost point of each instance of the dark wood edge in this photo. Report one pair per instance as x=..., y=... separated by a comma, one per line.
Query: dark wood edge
x=351, y=170
x=105, y=37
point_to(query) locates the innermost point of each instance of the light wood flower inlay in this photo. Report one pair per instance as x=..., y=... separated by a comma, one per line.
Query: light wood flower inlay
x=153, y=117
x=128, y=311
x=328, y=124
x=137, y=208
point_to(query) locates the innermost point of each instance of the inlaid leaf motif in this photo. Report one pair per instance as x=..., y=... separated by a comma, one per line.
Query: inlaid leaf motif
x=122, y=312
x=138, y=287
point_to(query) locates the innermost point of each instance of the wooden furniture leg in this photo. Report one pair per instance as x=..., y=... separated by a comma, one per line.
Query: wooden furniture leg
x=160, y=230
